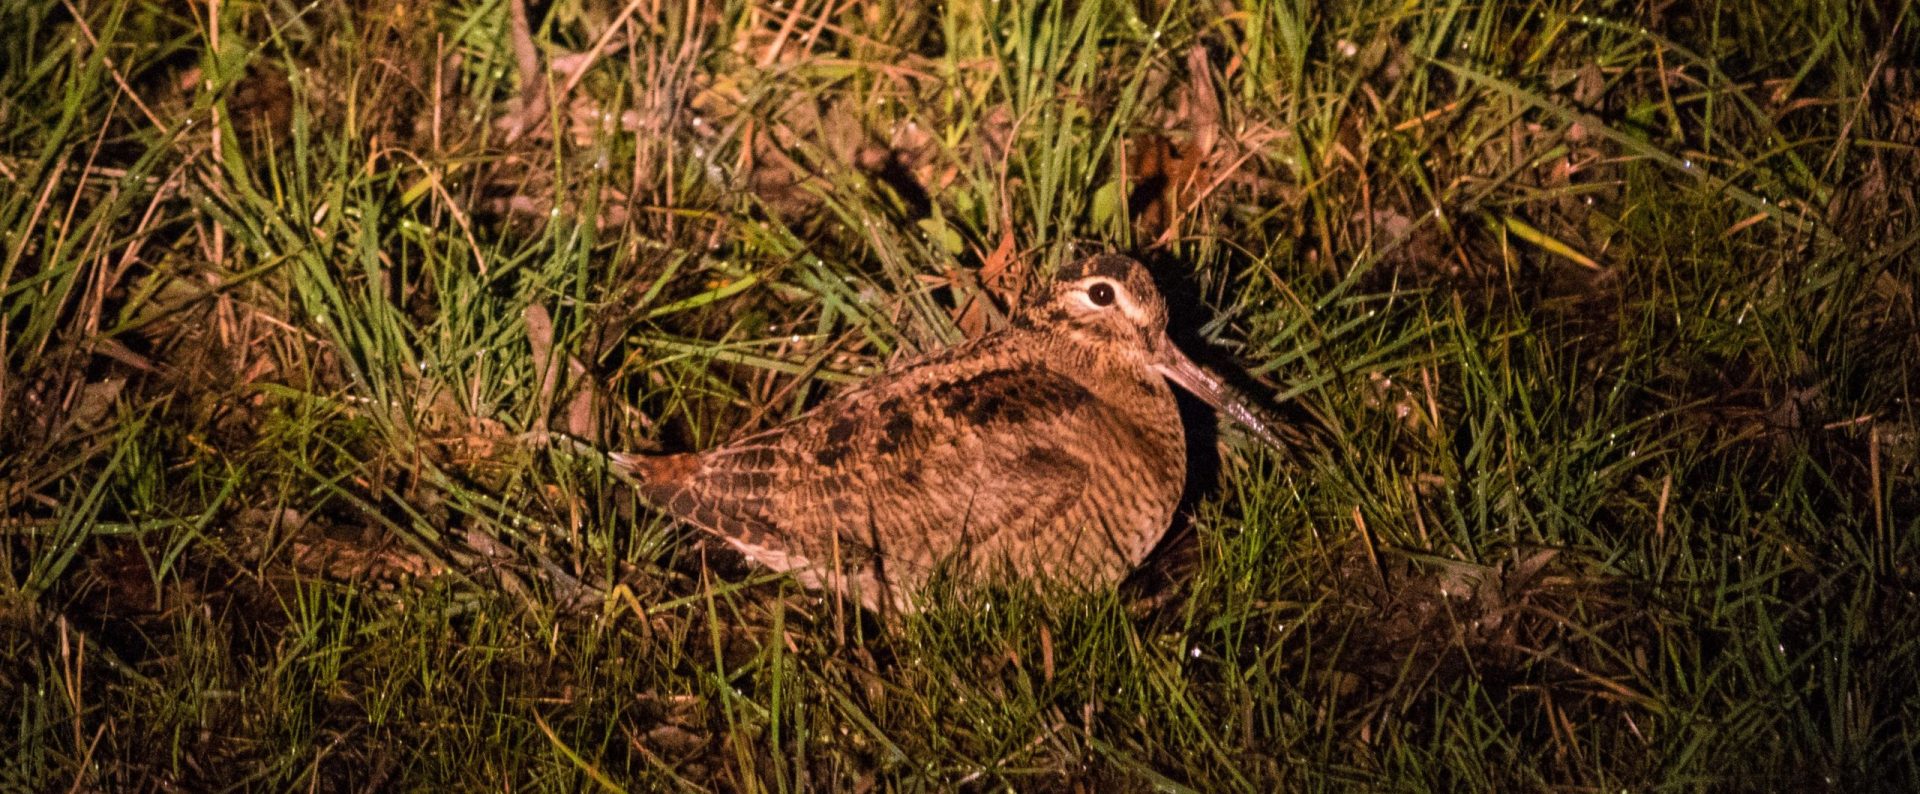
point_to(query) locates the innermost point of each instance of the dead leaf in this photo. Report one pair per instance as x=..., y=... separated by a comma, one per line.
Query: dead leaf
x=94, y=403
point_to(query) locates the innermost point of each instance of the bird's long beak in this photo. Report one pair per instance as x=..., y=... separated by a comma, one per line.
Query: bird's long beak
x=1203, y=384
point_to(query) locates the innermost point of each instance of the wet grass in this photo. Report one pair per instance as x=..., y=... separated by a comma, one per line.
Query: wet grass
x=1598, y=322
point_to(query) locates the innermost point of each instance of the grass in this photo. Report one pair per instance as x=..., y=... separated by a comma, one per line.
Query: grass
x=1603, y=316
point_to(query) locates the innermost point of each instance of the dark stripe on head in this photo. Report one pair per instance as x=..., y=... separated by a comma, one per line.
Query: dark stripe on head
x=1113, y=266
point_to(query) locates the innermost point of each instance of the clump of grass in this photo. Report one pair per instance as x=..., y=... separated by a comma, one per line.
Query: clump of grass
x=1602, y=317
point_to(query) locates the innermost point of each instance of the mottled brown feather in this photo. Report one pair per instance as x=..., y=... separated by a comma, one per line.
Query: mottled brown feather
x=1051, y=450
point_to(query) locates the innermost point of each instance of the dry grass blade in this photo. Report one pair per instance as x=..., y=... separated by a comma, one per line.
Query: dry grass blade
x=1590, y=327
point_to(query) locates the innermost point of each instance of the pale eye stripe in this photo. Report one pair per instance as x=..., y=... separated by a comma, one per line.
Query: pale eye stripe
x=1122, y=299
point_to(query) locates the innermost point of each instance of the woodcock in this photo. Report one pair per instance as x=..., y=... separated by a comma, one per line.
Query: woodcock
x=1051, y=450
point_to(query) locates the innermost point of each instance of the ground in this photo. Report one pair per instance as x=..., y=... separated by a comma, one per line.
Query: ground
x=1594, y=324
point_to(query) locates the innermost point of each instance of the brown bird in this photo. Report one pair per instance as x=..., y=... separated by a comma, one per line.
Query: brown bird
x=1051, y=450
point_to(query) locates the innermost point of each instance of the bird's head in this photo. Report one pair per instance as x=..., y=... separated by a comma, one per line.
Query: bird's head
x=1108, y=304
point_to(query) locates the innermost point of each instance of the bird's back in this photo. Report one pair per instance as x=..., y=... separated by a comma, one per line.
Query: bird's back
x=995, y=458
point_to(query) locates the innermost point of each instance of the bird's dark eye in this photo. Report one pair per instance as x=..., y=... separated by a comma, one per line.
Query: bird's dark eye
x=1100, y=294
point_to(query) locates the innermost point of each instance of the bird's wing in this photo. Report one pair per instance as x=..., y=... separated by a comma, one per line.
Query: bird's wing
x=903, y=472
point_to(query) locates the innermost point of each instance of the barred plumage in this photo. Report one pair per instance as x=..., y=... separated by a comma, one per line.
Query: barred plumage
x=1048, y=450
